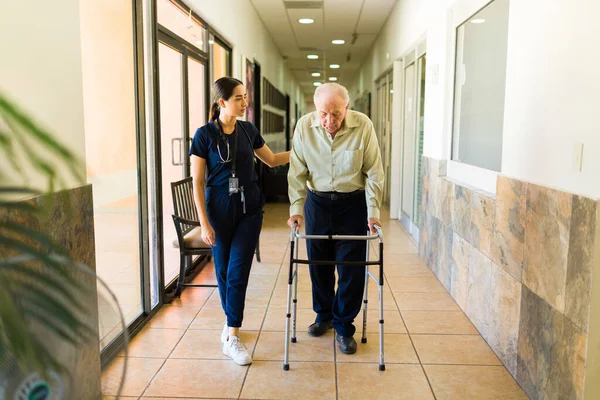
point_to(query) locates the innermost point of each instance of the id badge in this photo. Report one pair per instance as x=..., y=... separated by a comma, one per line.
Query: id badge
x=233, y=185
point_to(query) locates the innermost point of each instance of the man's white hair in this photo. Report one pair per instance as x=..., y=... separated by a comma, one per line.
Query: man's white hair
x=331, y=89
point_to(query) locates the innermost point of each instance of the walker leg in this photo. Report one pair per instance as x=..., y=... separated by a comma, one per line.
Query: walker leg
x=295, y=298
x=365, y=300
x=286, y=354
x=380, y=290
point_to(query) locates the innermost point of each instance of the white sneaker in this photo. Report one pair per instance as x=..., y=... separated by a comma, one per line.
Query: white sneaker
x=225, y=333
x=235, y=349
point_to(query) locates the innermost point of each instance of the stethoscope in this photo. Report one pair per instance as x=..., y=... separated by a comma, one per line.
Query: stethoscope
x=224, y=139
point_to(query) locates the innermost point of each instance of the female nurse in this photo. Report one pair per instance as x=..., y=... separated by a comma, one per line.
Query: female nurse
x=229, y=201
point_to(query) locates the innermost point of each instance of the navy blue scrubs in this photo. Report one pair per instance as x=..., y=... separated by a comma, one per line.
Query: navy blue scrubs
x=236, y=232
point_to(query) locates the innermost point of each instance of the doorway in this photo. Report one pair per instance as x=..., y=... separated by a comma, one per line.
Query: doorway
x=183, y=108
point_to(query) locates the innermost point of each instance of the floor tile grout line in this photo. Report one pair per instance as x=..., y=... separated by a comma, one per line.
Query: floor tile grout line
x=464, y=364
x=412, y=342
x=264, y=319
x=170, y=353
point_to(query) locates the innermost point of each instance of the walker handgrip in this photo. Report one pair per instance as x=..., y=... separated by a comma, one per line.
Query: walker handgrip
x=379, y=231
x=293, y=230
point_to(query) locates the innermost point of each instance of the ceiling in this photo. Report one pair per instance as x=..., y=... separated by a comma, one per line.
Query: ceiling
x=358, y=22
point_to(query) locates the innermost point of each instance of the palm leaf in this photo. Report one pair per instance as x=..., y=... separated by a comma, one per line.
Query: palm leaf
x=16, y=335
x=6, y=144
x=12, y=114
x=38, y=284
x=45, y=242
x=39, y=255
x=26, y=278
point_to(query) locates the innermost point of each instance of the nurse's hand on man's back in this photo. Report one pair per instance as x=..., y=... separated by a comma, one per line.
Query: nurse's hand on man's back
x=208, y=234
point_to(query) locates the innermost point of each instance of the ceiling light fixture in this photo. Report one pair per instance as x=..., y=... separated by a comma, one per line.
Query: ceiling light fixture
x=334, y=66
x=316, y=83
x=338, y=41
x=316, y=74
x=312, y=57
x=332, y=78
x=478, y=21
x=306, y=21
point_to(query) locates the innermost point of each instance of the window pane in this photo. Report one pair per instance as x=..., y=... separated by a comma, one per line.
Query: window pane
x=421, y=135
x=111, y=155
x=181, y=23
x=171, y=133
x=220, y=61
x=479, y=87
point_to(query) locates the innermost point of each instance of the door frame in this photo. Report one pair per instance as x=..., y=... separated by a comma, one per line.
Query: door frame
x=411, y=57
x=187, y=50
x=384, y=113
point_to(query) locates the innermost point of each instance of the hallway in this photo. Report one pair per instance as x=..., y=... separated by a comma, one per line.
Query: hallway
x=432, y=351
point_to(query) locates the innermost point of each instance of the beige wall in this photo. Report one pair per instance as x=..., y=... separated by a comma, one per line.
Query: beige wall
x=550, y=106
x=41, y=70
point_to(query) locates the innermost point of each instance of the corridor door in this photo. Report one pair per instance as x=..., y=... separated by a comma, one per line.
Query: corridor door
x=412, y=144
x=183, y=109
x=408, y=144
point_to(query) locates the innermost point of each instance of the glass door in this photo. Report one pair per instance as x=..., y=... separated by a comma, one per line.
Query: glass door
x=384, y=128
x=412, y=139
x=408, y=154
x=112, y=162
x=389, y=93
x=183, y=109
x=422, y=67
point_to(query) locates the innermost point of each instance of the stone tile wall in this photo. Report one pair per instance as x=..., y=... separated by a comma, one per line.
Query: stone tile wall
x=69, y=221
x=520, y=265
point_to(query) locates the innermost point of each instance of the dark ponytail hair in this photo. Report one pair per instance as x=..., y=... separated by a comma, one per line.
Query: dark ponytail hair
x=223, y=89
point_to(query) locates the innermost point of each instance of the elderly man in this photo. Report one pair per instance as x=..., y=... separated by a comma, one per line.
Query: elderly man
x=335, y=182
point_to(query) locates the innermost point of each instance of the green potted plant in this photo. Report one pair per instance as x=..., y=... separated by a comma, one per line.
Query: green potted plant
x=40, y=284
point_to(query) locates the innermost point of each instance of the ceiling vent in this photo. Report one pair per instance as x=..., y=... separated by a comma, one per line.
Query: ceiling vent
x=295, y=5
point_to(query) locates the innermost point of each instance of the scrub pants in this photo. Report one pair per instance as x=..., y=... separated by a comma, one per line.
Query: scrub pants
x=236, y=237
x=345, y=216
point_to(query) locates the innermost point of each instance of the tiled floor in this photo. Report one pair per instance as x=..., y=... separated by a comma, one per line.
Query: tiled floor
x=432, y=351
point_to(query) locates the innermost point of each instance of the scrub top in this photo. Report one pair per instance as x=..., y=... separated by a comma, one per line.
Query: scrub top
x=208, y=142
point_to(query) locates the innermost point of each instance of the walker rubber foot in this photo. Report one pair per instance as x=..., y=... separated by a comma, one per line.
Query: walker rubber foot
x=286, y=367
x=294, y=340
x=382, y=367
x=363, y=340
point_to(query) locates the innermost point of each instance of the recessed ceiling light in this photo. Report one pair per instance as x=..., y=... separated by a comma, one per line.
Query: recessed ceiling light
x=316, y=74
x=312, y=57
x=338, y=41
x=478, y=21
x=334, y=66
x=210, y=41
x=332, y=78
x=306, y=21
x=316, y=83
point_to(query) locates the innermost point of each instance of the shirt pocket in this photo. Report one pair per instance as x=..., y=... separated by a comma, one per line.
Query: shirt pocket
x=354, y=159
